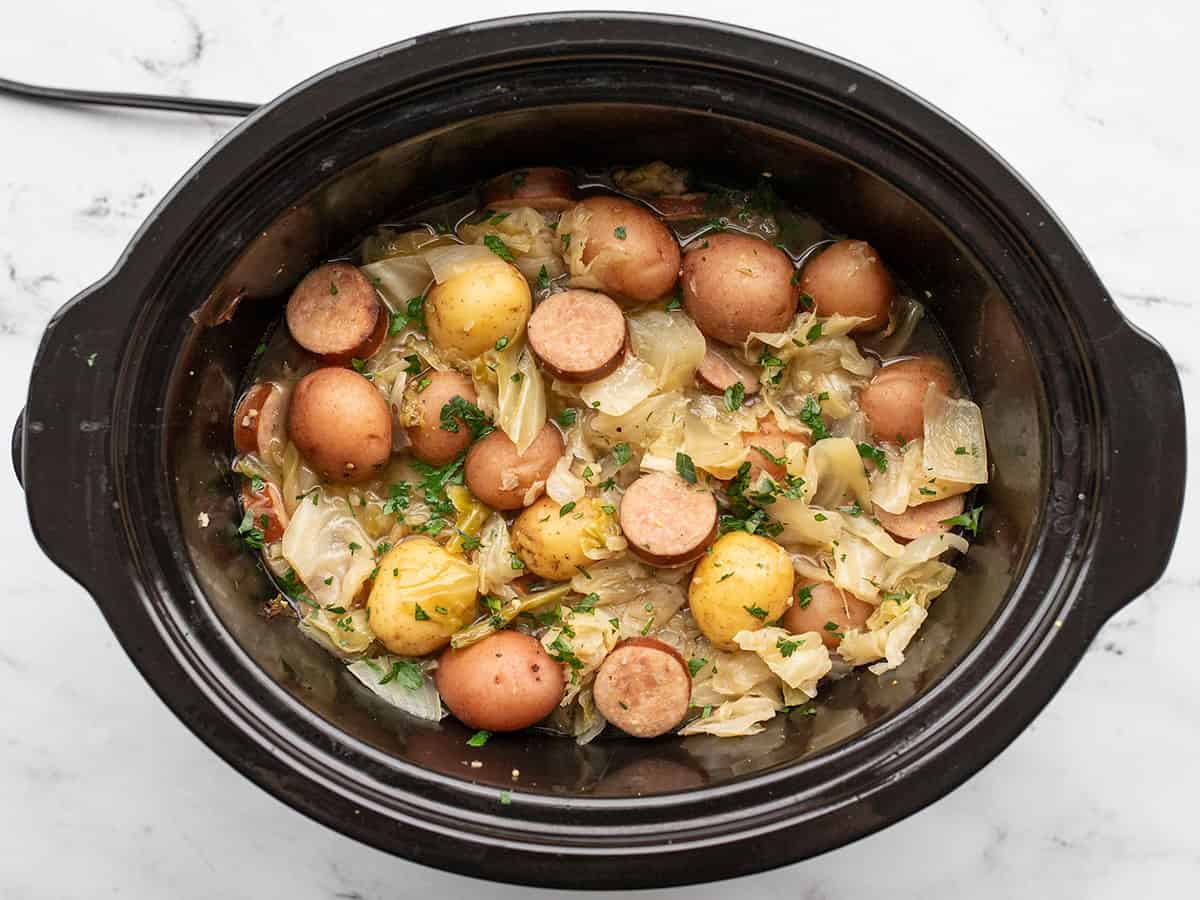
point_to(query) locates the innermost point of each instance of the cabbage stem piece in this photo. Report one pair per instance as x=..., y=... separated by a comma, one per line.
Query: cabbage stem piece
x=497, y=619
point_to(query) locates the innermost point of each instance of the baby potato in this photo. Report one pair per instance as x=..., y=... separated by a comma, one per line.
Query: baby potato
x=469, y=313
x=849, y=278
x=744, y=583
x=630, y=251
x=551, y=542
x=505, y=682
x=894, y=398
x=820, y=604
x=421, y=596
x=423, y=401
x=734, y=284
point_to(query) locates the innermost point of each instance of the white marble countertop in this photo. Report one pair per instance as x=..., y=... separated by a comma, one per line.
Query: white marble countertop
x=104, y=793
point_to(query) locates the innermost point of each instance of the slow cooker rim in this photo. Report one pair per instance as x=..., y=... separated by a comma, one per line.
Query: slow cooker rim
x=1080, y=635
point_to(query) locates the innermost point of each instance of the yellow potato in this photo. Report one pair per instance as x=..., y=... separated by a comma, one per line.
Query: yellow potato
x=551, y=543
x=422, y=595
x=468, y=313
x=744, y=583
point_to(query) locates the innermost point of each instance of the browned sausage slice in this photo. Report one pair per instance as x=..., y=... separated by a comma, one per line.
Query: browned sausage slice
x=579, y=336
x=719, y=372
x=643, y=687
x=680, y=207
x=259, y=419
x=667, y=521
x=542, y=187
x=266, y=510
x=335, y=313
x=921, y=520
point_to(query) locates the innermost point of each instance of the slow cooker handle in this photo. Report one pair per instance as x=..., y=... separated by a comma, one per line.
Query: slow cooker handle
x=1144, y=467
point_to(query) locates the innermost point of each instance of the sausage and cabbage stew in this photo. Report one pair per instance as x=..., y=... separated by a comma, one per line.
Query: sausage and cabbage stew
x=627, y=449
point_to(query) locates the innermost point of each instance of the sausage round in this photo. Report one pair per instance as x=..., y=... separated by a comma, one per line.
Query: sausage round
x=341, y=424
x=928, y=518
x=579, y=336
x=542, y=187
x=734, y=284
x=774, y=440
x=266, y=510
x=680, y=207
x=335, y=313
x=719, y=372
x=894, y=399
x=667, y=521
x=501, y=477
x=259, y=420
x=505, y=682
x=825, y=605
x=849, y=278
x=431, y=442
x=630, y=251
x=643, y=687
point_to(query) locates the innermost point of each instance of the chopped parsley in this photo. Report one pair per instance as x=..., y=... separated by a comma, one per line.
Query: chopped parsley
x=757, y=611
x=405, y=673
x=251, y=534
x=502, y=342
x=543, y=279
x=621, y=453
x=566, y=508
x=566, y=418
x=696, y=664
x=786, y=647
x=968, y=520
x=498, y=218
x=561, y=651
x=810, y=415
x=769, y=456
x=926, y=492
x=419, y=614
x=332, y=288
x=619, y=232
x=875, y=455
x=498, y=247
x=804, y=596
x=459, y=410
x=399, y=496
x=685, y=467
x=478, y=739
x=734, y=395
x=588, y=603
x=515, y=561
x=676, y=301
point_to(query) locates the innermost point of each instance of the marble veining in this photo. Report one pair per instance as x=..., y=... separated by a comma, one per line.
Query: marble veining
x=104, y=793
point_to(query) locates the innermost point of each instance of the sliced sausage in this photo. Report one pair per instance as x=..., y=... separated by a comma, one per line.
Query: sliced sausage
x=422, y=414
x=734, y=284
x=719, y=371
x=628, y=248
x=542, y=187
x=579, y=336
x=643, y=687
x=335, y=313
x=850, y=279
x=505, y=479
x=894, y=399
x=928, y=518
x=266, y=509
x=827, y=610
x=341, y=424
x=667, y=521
x=680, y=207
x=774, y=440
x=259, y=420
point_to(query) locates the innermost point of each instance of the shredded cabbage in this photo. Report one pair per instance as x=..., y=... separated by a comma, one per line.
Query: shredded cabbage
x=455, y=259
x=885, y=639
x=378, y=675
x=494, y=559
x=619, y=392
x=330, y=551
x=528, y=237
x=834, y=475
x=399, y=279
x=734, y=718
x=670, y=343
x=955, y=447
x=521, y=395
x=806, y=661
x=580, y=643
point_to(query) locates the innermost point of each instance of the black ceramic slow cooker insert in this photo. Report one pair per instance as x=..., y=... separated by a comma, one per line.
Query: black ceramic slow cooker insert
x=131, y=399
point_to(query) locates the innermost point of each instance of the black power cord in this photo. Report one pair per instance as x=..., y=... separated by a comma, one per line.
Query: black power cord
x=132, y=101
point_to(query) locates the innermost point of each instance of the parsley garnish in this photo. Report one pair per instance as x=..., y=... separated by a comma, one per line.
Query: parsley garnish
x=566, y=508
x=419, y=614
x=498, y=247
x=252, y=536
x=588, y=603
x=968, y=520
x=755, y=610
x=734, y=395
x=877, y=456
x=543, y=279
x=786, y=648
x=696, y=664
x=685, y=467
x=810, y=415
x=619, y=232
x=621, y=453
x=676, y=301
x=566, y=418
x=398, y=499
x=478, y=739
x=405, y=673
x=457, y=409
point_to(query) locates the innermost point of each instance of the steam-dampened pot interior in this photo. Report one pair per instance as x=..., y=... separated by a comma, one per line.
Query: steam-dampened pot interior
x=976, y=317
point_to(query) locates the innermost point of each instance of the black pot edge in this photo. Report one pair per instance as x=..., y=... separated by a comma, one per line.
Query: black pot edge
x=1150, y=567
